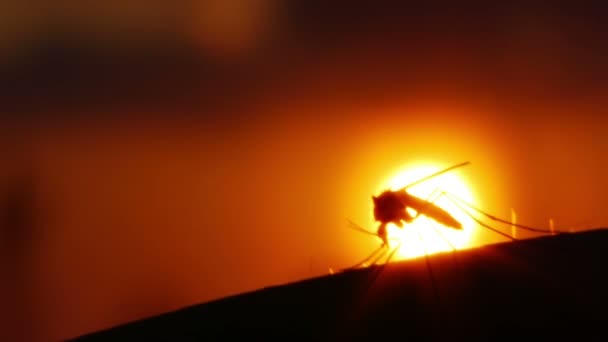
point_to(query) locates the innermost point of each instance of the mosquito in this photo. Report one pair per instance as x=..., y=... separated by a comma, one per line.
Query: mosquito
x=391, y=207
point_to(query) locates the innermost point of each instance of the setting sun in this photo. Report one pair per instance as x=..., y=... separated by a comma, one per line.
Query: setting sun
x=425, y=235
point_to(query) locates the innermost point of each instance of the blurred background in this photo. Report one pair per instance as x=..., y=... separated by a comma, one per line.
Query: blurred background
x=159, y=154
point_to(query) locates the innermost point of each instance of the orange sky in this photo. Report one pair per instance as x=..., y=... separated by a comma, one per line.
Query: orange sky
x=158, y=207
x=137, y=218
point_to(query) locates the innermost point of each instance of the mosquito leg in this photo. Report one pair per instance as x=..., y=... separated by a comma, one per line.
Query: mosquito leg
x=443, y=237
x=377, y=272
x=426, y=252
x=455, y=198
x=435, y=195
x=385, y=249
x=360, y=229
x=374, y=253
x=464, y=210
x=438, y=194
x=429, y=267
x=365, y=231
x=390, y=256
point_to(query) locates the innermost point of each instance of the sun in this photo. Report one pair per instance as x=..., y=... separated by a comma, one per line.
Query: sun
x=425, y=236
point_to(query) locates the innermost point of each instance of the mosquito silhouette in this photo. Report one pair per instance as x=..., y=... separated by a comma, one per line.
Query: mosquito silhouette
x=391, y=207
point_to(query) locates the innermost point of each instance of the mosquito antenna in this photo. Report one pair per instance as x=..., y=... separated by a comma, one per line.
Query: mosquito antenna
x=435, y=175
x=492, y=217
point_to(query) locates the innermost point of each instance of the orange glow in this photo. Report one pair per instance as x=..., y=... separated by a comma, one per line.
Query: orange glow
x=424, y=235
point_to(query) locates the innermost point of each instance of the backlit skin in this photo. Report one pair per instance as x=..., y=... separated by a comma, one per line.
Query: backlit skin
x=390, y=207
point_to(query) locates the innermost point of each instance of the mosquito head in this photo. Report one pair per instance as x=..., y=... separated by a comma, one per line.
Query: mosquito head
x=388, y=207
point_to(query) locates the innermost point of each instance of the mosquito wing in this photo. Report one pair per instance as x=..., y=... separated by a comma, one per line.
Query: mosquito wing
x=430, y=210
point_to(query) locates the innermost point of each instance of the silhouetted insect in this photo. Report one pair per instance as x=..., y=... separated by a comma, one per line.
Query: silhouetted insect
x=391, y=207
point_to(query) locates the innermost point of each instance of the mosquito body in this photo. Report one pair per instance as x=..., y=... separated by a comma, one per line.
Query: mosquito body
x=391, y=207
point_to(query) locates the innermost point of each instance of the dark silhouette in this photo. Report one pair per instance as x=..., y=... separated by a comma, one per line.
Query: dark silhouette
x=551, y=286
x=391, y=207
